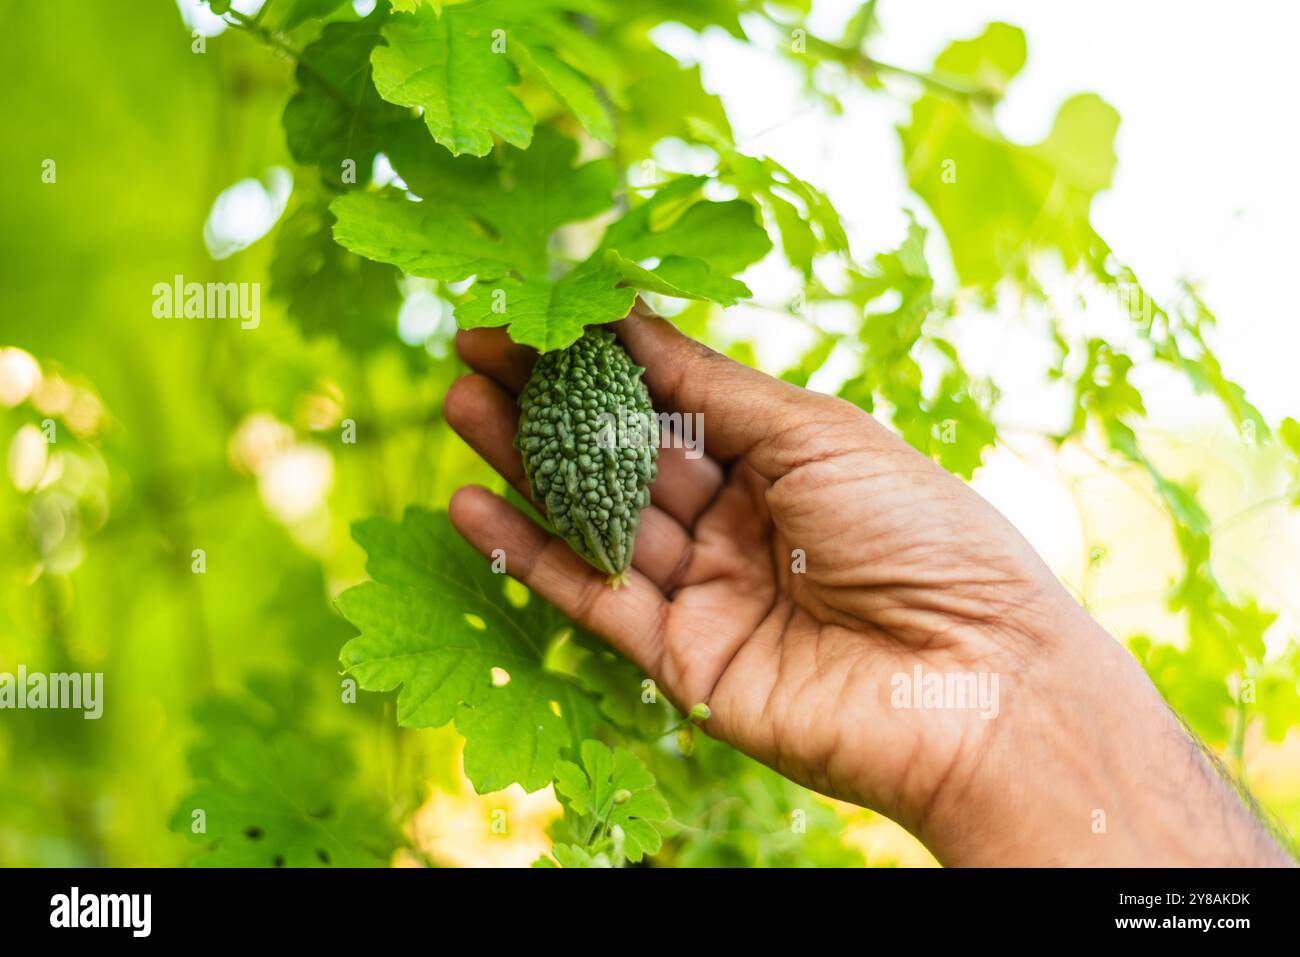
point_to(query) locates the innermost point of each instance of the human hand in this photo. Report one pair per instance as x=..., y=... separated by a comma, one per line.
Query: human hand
x=906, y=567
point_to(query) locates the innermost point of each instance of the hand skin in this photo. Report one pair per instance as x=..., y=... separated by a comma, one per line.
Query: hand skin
x=906, y=566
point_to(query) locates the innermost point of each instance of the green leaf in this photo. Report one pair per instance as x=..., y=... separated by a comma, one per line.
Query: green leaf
x=679, y=276
x=998, y=202
x=277, y=803
x=990, y=60
x=545, y=41
x=1081, y=145
x=1192, y=681
x=754, y=831
x=661, y=99
x=863, y=25
x=570, y=86
x=810, y=361
x=421, y=239
x=273, y=793
x=326, y=288
x=592, y=791
x=571, y=855
x=620, y=685
x=548, y=315
x=950, y=422
x=490, y=217
x=337, y=115
x=445, y=65
x=300, y=11
x=544, y=189
x=483, y=217
x=436, y=622
x=1289, y=433
x=1276, y=699
x=1102, y=391
x=890, y=336
x=726, y=236
x=952, y=427
x=808, y=224
x=700, y=14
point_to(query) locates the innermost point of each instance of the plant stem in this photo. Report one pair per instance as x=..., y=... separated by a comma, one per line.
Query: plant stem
x=250, y=25
x=868, y=67
x=1237, y=742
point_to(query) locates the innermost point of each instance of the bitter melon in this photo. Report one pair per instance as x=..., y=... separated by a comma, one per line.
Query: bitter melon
x=588, y=437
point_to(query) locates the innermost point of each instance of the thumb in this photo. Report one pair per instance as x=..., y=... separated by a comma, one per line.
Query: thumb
x=745, y=413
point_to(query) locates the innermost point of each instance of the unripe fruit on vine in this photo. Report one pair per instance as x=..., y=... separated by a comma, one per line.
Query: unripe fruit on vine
x=589, y=442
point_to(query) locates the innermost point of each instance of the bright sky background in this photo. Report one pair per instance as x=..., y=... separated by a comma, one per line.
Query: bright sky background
x=1204, y=186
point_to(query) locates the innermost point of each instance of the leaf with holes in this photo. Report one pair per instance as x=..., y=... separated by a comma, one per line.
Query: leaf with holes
x=436, y=622
x=272, y=792
x=277, y=804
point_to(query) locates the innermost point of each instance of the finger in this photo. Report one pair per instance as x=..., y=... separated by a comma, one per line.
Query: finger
x=494, y=354
x=688, y=482
x=485, y=416
x=629, y=618
x=743, y=412
x=739, y=517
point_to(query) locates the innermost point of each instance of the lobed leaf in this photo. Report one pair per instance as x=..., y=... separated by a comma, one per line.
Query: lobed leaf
x=613, y=788
x=435, y=622
x=337, y=114
x=548, y=315
x=444, y=64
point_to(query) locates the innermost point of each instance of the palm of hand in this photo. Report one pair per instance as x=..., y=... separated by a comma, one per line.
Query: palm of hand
x=802, y=599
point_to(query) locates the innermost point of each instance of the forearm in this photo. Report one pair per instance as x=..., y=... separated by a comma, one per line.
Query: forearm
x=1091, y=768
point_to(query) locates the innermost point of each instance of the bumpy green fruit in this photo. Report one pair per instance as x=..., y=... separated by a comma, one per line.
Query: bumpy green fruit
x=589, y=441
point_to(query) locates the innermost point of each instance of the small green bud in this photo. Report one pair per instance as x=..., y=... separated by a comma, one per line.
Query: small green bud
x=686, y=740
x=701, y=712
x=622, y=796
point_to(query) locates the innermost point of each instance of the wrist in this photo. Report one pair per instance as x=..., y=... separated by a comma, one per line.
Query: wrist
x=1087, y=766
